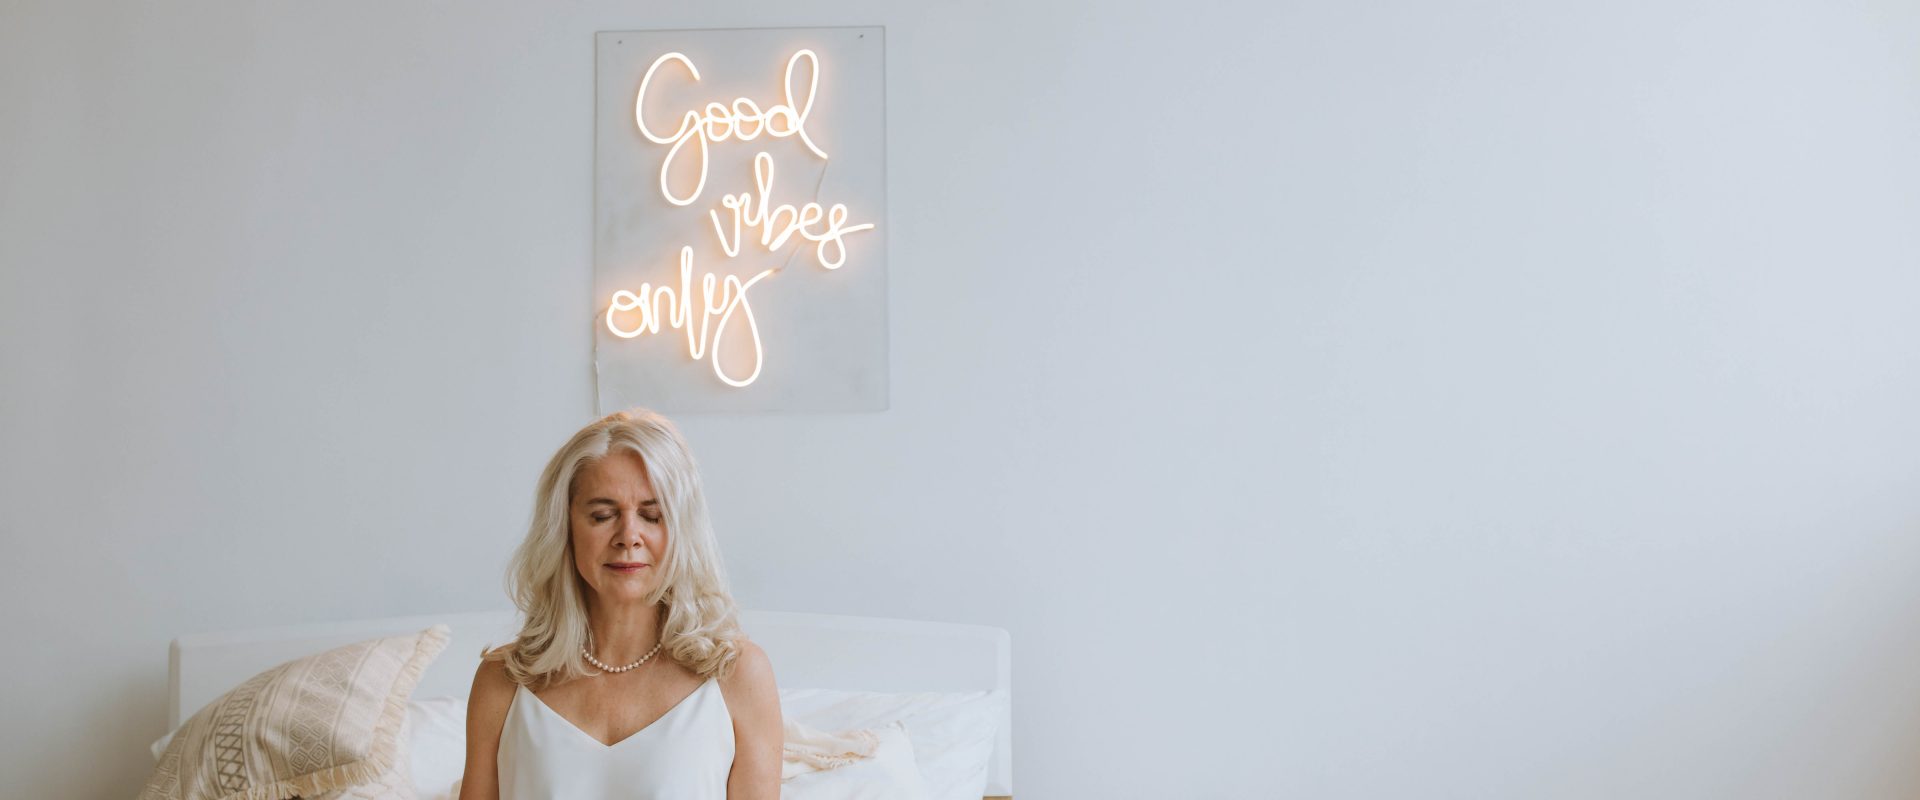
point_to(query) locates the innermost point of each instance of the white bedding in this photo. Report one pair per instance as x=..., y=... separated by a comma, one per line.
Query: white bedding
x=948, y=743
x=949, y=685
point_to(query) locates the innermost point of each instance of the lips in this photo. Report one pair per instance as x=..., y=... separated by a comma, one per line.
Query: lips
x=627, y=569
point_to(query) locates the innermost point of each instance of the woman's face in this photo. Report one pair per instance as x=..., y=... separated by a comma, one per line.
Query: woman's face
x=614, y=523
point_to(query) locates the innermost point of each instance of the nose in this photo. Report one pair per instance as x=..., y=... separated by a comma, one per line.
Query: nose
x=629, y=535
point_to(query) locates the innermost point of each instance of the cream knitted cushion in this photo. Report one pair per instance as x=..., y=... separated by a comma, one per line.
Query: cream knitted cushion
x=327, y=725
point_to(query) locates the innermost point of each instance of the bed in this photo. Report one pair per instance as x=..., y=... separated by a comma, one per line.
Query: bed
x=816, y=651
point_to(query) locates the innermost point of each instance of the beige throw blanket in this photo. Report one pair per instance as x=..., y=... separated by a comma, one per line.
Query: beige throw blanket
x=808, y=750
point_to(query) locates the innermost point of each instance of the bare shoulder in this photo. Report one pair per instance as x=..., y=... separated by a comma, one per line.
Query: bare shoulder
x=492, y=689
x=751, y=669
x=493, y=668
x=487, y=705
x=754, y=703
x=751, y=684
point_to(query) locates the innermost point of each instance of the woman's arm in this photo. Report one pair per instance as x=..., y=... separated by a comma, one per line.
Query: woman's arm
x=754, y=703
x=487, y=705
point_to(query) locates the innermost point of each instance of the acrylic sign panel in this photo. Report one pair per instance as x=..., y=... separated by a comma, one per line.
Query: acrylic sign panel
x=740, y=230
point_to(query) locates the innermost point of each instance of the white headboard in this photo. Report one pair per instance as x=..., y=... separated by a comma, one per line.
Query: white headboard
x=814, y=651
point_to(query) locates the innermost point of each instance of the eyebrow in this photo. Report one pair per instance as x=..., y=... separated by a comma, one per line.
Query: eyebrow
x=616, y=505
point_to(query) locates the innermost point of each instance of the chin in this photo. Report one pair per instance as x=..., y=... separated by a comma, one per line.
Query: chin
x=628, y=594
x=621, y=591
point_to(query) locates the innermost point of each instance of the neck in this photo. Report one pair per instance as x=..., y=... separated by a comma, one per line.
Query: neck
x=622, y=633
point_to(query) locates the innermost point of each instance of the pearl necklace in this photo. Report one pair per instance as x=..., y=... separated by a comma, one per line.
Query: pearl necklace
x=587, y=650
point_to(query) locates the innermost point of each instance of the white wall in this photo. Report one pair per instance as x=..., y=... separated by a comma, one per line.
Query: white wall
x=1467, y=399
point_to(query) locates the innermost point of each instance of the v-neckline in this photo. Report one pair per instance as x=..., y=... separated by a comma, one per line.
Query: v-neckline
x=623, y=740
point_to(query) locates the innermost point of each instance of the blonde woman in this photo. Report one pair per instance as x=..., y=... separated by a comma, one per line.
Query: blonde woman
x=630, y=677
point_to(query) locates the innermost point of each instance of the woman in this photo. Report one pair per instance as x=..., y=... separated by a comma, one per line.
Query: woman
x=630, y=677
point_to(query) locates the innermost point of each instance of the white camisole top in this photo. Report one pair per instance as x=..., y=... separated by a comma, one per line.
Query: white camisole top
x=686, y=754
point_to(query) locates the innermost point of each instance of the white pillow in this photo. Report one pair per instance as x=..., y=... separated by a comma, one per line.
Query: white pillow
x=159, y=746
x=890, y=774
x=439, y=745
x=952, y=733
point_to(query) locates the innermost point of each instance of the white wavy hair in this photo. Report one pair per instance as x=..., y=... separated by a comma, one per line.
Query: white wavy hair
x=701, y=629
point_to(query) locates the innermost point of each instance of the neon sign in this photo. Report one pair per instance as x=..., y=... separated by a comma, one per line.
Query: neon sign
x=825, y=227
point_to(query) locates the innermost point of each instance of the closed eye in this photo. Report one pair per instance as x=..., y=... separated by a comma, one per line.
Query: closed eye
x=603, y=518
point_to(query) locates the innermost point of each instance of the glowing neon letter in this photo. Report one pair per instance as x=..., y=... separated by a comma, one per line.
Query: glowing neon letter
x=743, y=119
x=800, y=220
x=679, y=313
